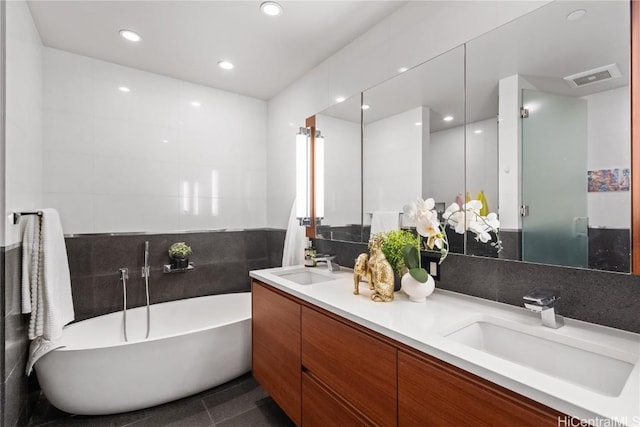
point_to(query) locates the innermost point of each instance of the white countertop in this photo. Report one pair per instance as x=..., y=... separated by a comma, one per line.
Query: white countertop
x=423, y=326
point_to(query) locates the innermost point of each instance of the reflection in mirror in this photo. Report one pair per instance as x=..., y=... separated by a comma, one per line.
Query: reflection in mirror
x=413, y=142
x=561, y=171
x=340, y=124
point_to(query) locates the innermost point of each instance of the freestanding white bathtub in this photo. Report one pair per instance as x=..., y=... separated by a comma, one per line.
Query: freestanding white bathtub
x=194, y=344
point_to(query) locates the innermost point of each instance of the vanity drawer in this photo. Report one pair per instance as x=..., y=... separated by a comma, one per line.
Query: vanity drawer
x=434, y=393
x=321, y=408
x=352, y=363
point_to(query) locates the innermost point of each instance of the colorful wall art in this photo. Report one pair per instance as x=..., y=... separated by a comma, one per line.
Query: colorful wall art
x=609, y=180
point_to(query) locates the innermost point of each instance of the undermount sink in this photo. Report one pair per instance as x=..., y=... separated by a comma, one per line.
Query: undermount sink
x=305, y=276
x=598, y=372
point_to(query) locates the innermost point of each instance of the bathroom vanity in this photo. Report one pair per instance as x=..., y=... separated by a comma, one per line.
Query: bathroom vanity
x=329, y=357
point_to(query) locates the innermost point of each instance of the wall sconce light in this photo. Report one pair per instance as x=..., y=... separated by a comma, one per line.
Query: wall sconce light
x=309, y=176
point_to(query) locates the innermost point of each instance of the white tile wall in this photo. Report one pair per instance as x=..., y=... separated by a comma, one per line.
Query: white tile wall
x=147, y=159
x=392, y=157
x=482, y=161
x=342, y=178
x=23, y=133
x=446, y=174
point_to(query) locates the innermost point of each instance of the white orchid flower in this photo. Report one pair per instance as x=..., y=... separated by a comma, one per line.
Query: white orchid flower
x=481, y=231
x=419, y=209
x=492, y=220
x=473, y=205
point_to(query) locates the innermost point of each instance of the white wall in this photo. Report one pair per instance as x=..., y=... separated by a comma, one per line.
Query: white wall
x=342, y=177
x=482, y=161
x=107, y=169
x=609, y=134
x=415, y=33
x=23, y=133
x=447, y=168
x=392, y=157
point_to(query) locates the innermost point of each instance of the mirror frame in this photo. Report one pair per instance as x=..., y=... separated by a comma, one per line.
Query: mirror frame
x=635, y=140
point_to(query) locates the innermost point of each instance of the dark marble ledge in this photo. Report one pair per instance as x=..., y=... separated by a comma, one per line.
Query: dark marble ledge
x=160, y=233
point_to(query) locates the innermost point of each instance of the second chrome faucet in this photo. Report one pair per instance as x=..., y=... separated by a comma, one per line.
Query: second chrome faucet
x=543, y=301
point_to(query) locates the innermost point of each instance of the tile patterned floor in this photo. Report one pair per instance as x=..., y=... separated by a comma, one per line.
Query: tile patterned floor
x=238, y=403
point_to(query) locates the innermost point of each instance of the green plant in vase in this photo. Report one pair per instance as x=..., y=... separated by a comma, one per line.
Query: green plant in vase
x=393, y=243
x=179, y=253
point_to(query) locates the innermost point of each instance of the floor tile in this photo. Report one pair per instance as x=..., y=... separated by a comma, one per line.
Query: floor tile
x=240, y=402
x=265, y=414
x=232, y=401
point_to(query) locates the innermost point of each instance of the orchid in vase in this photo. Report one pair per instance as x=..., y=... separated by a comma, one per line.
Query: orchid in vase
x=460, y=218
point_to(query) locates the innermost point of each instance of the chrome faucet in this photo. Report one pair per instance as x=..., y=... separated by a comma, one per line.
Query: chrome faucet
x=330, y=260
x=543, y=301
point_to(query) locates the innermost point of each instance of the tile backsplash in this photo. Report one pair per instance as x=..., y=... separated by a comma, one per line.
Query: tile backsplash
x=606, y=298
x=222, y=262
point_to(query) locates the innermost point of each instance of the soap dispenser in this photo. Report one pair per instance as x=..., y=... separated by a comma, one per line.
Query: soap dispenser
x=309, y=254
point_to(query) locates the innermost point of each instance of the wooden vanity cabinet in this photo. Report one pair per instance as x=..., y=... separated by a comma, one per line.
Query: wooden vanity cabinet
x=324, y=370
x=275, y=340
x=434, y=393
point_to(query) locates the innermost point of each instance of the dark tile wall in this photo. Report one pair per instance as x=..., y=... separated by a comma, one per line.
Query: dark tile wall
x=14, y=337
x=606, y=298
x=222, y=262
x=610, y=249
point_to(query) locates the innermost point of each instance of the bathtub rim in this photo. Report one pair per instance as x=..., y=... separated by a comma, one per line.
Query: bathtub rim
x=145, y=340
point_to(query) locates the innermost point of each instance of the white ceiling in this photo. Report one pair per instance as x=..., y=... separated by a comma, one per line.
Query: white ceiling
x=186, y=39
x=542, y=46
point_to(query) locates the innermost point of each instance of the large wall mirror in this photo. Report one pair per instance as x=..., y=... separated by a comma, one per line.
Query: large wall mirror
x=340, y=125
x=538, y=121
x=558, y=155
x=413, y=142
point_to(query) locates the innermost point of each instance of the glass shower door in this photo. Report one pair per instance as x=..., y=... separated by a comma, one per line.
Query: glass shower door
x=554, y=179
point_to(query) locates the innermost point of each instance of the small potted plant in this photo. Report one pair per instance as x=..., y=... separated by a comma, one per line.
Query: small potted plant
x=393, y=243
x=179, y=253
x=416, y=282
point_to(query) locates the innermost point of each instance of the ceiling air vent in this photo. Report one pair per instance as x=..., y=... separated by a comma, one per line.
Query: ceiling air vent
x=593, y=76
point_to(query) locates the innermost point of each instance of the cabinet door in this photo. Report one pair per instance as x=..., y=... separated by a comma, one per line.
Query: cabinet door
x=276, y=347
x=353, y=364
x=320, y=408
x=433, y=393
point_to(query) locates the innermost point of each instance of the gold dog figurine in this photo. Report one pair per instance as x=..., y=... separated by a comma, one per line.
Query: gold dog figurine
x=378, y=270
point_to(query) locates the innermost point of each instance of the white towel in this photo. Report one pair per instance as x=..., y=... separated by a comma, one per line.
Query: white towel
x=294, y=241
x=382, y=222
x=46, y=282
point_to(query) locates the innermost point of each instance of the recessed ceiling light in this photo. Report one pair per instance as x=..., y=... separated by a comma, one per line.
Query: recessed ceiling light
x=340, y=99
x=447, y=118
x=576, y=15
x=225, y=65
x=132, y=36
x=477, y=131
x=124, y=89
x=166, y=141
x=271, y=8
x=418, y=123
x=402, y=69
x=365, y=107
x=195, y=103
